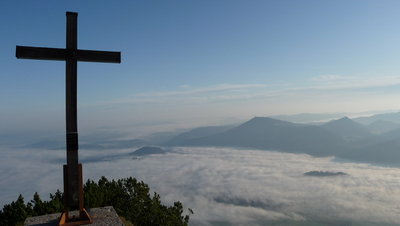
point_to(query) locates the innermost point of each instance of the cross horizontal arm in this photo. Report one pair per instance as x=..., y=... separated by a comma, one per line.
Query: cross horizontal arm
x=43, y=53
x=40, y=53
x=98, y=56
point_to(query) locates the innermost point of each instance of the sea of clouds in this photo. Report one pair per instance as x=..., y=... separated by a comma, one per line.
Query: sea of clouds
x=225, y=186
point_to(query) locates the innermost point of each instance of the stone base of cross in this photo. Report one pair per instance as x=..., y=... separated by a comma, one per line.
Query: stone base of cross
x=73, y=185
x=84, y=217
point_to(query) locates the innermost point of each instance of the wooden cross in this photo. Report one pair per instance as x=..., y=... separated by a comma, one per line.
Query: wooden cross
x=73, y=191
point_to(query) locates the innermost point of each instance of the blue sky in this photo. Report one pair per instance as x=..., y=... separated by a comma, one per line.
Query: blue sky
x=187, y=63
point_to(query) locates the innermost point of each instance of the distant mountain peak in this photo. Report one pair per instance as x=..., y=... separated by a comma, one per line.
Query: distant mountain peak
x=148, y=150
x=343, y=119
x=393, y=117
x=267, y=120
x=257, y=118
x=347, y=128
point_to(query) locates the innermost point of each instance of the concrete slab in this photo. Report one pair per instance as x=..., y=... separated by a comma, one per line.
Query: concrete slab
x=101, y=216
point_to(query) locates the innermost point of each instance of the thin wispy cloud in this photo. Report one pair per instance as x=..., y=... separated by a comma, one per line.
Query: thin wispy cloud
x=187, y=93
x=337, y=82
x=203, y=105
x=205, y=90
x=324, y=78
x=229, y=92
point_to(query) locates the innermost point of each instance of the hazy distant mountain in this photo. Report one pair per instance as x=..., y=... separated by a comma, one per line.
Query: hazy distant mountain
x=273, y=134
x=159, y=138
x=391, y=135
x=348, y=129
x=383, y=147
x=387, y=152
x=198, y=133
x=309, y=117
x=382, y=126
x=389, y=117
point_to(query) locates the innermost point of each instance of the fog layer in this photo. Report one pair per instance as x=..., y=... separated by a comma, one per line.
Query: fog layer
x=226, y=186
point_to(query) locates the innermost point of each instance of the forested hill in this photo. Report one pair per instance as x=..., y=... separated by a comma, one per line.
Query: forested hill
x=129, y=197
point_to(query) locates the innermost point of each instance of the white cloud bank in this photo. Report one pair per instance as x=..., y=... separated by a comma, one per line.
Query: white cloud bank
x=239, y=187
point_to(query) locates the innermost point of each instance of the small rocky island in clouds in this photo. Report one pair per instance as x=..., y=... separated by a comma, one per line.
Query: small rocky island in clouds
x=148, y=150
x=324, y=174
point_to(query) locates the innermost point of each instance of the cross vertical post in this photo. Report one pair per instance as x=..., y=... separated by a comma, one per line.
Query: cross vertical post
x=73, y=182
x=72, y=197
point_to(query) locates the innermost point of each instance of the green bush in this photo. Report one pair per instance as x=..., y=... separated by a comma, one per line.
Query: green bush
x=130, y=198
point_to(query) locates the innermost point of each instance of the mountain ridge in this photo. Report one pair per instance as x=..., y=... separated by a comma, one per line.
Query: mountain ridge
x=343, y=138
x=269, y=133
